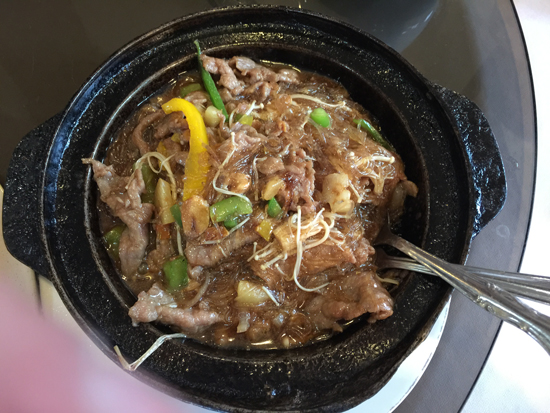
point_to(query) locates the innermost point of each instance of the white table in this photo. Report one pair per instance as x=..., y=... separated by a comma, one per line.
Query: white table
x=516, y=376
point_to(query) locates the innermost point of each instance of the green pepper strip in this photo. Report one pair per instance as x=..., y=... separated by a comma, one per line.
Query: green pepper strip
x=374, y=134
x=230, y=208
x=273, y=208
x=210, y=86
x=192, y=87
x=150, y=178
x=175, y=273
x=112, y=240
x=320, y=117
x=176, y=213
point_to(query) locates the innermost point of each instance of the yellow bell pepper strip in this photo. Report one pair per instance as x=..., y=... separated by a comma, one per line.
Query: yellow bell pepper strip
x=265, y=229
x=197, y=165
x=209, y=85
x=375, y=135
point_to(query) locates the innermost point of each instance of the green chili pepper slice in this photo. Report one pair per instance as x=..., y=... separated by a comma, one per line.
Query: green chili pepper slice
x=112, y=240
x=150, y=178
x=273, y=208
x=229, y=208
x=191, y=87
x=375, y=135
x=176, y=213
x=210, y=86
x=231, y=222
x=175, y=273
x=320, y=117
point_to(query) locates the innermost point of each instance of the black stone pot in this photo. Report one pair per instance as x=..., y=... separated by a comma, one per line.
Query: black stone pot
x=50, y=220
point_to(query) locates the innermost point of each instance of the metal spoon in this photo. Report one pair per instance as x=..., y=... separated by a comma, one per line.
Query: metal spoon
x=533, y=287
x=486, y=294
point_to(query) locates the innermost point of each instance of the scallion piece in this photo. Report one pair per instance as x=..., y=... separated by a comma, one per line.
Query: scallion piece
x=176, y=213
x=150, y=179
x=320, y=117
x=244, y=119
x=191, y=87
x=209, y=85
x=273, y=208
x=375, y=135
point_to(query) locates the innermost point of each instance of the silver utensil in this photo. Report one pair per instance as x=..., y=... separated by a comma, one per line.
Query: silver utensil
x=533, y=287
x=486, y=294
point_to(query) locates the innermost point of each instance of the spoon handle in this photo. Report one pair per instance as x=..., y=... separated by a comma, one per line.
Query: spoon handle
x=486, y=294
x=533, y=287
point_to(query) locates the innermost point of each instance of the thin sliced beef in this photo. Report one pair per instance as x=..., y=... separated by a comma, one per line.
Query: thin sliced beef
x=348, y=298
x=275, y=274
x=261, y=91
x=325, y=256
x=255, y=73
x=135, y=238
x=362, y=251
x=225, y=94
x=242, y=63
x=157, y=257
x=198, y=98
x=175, y=153
x=227, y=77
x=209, y=255
x=172, y=123
x=288, y=76
x=274, y=129
x=123, y=196
x=157, y=304
x=111, y=186
x=144, y=123
x=299, y=178
x=246, y=141
x=270, y=165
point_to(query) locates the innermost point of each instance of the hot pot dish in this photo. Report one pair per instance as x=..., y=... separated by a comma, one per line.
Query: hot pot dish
x=249, y=233
x=241, y=209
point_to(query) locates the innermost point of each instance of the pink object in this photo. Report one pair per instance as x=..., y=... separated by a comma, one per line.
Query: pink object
x=44, y=369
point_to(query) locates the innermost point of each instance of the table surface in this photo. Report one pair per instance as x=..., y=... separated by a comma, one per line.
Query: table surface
x=475, y=48
x=517, y=372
